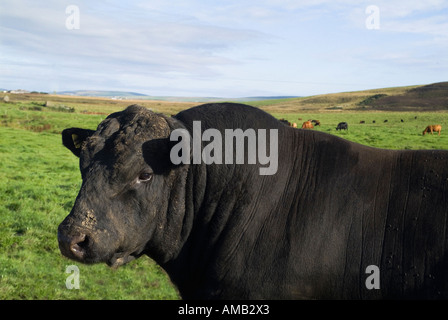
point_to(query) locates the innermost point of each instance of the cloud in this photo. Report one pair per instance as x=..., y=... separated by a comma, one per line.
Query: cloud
x=407, y=16
x=219, y=47
x=434, y=26
x=140, y=41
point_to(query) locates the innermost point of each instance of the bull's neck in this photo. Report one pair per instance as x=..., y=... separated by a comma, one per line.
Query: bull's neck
x=220, y=201
x=214, y=197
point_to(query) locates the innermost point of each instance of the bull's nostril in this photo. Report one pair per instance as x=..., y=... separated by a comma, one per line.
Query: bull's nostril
x=79, y=245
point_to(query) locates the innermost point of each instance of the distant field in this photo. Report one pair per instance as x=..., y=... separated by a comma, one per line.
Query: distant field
x=89, y=105
x=428, y=98
x=393, y=134
x=343, y=101
x=39, y=180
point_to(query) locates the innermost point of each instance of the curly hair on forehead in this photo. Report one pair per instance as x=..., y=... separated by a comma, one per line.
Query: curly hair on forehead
x=134, y=124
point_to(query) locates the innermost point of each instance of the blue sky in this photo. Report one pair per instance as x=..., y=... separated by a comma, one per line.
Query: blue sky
x=222, y=48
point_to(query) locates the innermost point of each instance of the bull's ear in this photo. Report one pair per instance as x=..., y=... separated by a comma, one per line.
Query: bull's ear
x=156, y=154
x=73, y=139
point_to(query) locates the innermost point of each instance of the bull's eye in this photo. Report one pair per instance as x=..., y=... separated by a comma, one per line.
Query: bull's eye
x=144, y=177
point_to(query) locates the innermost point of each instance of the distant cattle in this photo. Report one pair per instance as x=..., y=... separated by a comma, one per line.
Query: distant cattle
x=373, y=121
x=342, y=126
x=315, y=122
x=362, y=121
x=287, y=123
x=307, y=125
x=385, y=121
x=432, y=128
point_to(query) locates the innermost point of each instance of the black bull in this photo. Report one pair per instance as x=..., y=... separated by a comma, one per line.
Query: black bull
x=311, y=230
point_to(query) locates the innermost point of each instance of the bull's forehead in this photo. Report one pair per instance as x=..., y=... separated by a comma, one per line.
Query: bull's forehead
x=122, y=134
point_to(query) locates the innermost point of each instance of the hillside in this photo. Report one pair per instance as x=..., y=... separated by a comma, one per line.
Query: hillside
x=104, y=94
x=126, y=95
x=424, y=98
x=431, y=97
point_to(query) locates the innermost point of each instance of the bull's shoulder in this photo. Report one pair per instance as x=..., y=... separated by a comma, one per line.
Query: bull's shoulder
x=228, y=115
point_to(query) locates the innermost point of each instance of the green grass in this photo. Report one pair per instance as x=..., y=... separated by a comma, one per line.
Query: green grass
x=392, y=134
x=36, y=118
x=39, y=181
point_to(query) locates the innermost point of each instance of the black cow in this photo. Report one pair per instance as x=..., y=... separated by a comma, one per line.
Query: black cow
x=333, y=213
x=285, y=122
x=342, y=126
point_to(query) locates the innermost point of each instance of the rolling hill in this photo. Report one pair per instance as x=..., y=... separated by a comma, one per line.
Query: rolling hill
x=430, y=97
x=126, y=95
x=102, y=93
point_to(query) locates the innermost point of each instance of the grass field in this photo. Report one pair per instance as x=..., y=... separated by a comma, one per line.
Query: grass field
x=38, y=184
x=39, y=181
x=393, y=134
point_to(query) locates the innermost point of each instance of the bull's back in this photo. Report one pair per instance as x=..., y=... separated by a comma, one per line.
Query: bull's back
x=354, y=208
x=414, y=262
x=333, y=209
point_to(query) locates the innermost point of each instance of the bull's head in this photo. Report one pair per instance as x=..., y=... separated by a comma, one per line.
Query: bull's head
x=132, y=197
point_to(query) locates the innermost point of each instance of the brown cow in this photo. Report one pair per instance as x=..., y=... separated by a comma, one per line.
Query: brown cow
x=433, y=127
x=307, y=125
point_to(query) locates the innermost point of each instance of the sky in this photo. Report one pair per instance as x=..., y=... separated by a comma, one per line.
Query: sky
x=234, y=48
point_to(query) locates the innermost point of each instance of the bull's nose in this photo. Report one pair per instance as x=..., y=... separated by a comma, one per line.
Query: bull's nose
x=78, y=245
x=74, y=246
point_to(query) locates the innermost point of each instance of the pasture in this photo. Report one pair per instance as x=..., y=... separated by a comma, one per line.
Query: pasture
x=393, y=134
x=39, y=181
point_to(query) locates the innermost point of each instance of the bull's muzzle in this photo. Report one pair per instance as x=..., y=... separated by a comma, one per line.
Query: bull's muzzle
x=73, y=245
